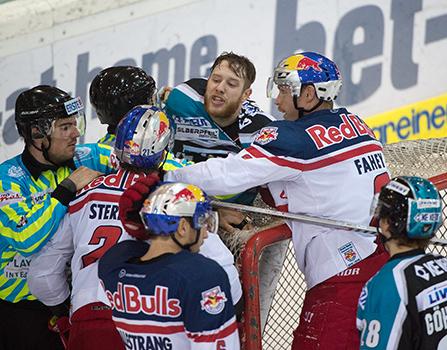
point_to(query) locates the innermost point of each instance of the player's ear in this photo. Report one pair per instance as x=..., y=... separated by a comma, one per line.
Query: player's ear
x=183, y=227
x=310, y=92
x=246, y=94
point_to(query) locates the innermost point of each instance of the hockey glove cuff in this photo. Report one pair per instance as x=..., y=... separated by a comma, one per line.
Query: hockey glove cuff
x=131, y=202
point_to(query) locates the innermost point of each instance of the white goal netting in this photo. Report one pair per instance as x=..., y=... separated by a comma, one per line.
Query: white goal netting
x=281, y=305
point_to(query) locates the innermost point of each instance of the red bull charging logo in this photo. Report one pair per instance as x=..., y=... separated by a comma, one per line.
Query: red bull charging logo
x=213, y=300
x=301, y=62
x=189, y=193
x=132, y=147
x=163, y=126
x=267, y=135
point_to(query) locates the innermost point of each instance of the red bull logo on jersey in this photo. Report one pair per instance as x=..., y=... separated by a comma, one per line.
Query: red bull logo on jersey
x=266, y=135
x=350, y=128
x=213, y=300
x=301, y=62
x=129, y=299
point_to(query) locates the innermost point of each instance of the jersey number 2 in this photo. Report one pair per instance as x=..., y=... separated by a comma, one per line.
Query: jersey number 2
x=105, y=237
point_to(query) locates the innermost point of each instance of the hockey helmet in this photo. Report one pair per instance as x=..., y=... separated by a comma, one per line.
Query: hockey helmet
x=116, y=90
x=306, y=68
x=142, y=137
x=39, y=107
x=163, y=209
x=412, y=205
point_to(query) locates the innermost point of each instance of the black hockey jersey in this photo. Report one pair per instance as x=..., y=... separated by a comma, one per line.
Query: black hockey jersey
x=197, y=136
x=404, y=306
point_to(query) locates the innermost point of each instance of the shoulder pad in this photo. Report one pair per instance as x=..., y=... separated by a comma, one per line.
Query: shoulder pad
x=198, y=84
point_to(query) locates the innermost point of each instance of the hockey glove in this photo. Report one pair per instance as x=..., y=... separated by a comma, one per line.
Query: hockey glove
x=131, y=202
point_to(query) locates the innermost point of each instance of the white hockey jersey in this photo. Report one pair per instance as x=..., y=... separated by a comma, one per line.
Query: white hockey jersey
x=326, y=164
x=89, y=229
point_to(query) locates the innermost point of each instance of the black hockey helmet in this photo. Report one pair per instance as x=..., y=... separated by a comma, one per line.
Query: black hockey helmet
x=413, y=206
x=40, y=106
x=116, y=90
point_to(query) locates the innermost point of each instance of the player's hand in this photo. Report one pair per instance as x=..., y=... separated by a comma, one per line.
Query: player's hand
x=230, y=220
x=131, y=202
x=164, y=93
x=82, y=176
x=162, y=96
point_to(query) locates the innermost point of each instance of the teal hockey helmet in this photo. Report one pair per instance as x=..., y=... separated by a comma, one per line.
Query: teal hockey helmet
x=412, y=205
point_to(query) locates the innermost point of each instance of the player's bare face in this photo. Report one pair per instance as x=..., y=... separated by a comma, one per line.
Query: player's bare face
x=64, y=138
x=224, y=94
x=284, y=103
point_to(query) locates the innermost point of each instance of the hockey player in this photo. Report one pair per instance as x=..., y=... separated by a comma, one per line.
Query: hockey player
x=113, y=92
x=92, y=227
x=164, y=295
x=324, y=162
x=35, y=189
x=404, y=305
x=214, y=117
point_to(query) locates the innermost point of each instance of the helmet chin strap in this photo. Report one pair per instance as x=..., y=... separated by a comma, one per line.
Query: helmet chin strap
x=383, y=239
x=44, y=150
x=189, y=245
x=301, y=110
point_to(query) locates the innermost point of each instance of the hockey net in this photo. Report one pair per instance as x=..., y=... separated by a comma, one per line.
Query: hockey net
x=273, y=286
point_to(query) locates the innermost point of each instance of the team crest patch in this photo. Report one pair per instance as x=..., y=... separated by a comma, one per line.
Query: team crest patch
x=267, y=135
x=349, y=254
x=213, y=300
x=15, y=171
x=82, y=152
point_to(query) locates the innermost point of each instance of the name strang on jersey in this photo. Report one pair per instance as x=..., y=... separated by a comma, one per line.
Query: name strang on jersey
x=129, y=299
x=351, y=127
x=148, y=342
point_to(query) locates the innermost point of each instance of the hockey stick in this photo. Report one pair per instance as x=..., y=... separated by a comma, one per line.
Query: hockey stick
x=308, y=219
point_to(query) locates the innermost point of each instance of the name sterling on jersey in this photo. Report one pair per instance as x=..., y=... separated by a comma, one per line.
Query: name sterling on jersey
x=103, y=211
x=129, y=299
x=351, y=127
